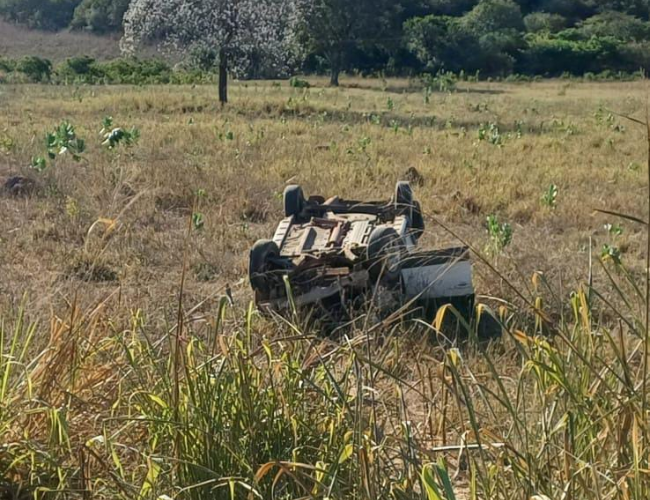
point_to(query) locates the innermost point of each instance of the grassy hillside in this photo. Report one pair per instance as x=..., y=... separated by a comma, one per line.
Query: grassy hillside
x=17, y=41
x=126, y=377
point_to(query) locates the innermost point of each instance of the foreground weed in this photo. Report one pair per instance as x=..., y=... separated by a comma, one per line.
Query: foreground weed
x=500, y=235
x=489, y=132
x=114, y=136
x=549, y=198
x=266, y=420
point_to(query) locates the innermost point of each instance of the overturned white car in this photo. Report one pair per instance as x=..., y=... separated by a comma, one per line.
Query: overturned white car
x=340, y=254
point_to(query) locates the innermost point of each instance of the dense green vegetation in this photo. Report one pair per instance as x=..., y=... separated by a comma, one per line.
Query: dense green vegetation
x=491, y=37
x=133, y=71
x=78, y=70
x=497, y=36
x=99, y=16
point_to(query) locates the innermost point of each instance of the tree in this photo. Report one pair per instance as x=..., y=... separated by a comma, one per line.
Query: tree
x=497, y=26
x=41, y=14
x=616, y=25
x=494, y=15
x=639, y=8
x=442, y=43
x=100, y=16
x=35, y=69
x=236, y=29
x=385, y=51
x=451, y=7
x=571, y=9
x=543, y=21
x=335, y=28
x=429, y=39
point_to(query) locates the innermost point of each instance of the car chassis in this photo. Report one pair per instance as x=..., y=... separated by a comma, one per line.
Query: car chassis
x=327, y=252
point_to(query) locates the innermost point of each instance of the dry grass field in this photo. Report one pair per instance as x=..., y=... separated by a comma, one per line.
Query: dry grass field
x=354, y=141
x=16, y=42
x=114, y=388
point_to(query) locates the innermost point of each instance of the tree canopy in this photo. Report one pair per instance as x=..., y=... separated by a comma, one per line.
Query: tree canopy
x=492, y=37
x=240, y=31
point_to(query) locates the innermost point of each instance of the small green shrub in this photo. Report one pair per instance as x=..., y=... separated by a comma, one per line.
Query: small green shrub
x=297, y=83
x=62, y=140
x=611, y=253
x=489, y=132
x=614, y=229
x=81, y=69
x=39, y=163
x=442, y=81
x=114, y=136
x=80, y=65
x=549, y=198
x=134, y=71
x=36, y=69
x=500, y=235
x=7, y=65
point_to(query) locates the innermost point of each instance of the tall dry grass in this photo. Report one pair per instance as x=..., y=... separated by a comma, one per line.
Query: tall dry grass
x=273, y=411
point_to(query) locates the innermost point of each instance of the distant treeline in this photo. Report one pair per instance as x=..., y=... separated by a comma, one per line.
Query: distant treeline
x=98, y=16
x=86, y=70
x=486, y=37
x=131, y=71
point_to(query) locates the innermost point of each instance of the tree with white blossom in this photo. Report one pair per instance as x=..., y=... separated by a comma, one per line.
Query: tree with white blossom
x=235, y=29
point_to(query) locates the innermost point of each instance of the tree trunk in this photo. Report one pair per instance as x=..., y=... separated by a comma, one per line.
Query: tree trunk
x=334, y=77
x=223, y=77
x=335, y=67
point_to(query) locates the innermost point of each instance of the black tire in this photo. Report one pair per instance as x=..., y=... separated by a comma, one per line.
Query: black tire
x=383, y=242
x=417, y=220
x=403, y=193
x=294, y=200
x=488, y=327
x=259, y=265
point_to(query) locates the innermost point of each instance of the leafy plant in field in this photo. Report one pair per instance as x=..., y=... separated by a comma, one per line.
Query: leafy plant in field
x=228, y=135
x=519, y=127
x=566, y=128
x=427, y=95
x=390, y=104
x=442, y=81
x=363, y=143
x=298, y=83
x=614, y=229
x=611, y=253
x=198, y=218
x=62, y=140
x=114, y=136
x=608, y=120
x=500, y=235
x=549, y=198
x=38, y=163
x=489, y=132
x=71, y=207
x=198, y=221
x=7, y=143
